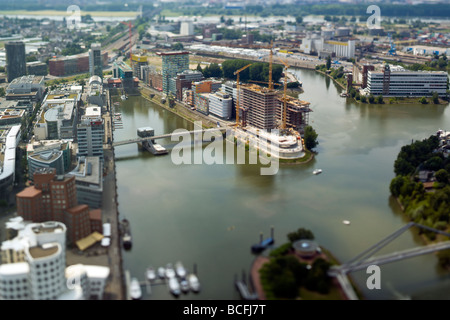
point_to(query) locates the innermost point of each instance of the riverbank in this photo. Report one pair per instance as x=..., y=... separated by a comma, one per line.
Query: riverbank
x=335, y=80
x=308, y=157
x=177, y=109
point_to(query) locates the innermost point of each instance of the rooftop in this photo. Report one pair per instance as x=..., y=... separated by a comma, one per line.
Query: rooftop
x=14, y=268
x=29, y=192
x=46, y=250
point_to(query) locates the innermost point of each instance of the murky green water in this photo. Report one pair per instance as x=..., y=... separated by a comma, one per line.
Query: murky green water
x=210, y=215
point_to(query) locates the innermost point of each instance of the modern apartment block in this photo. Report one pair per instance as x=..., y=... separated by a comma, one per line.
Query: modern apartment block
x=396, y=81
x=16, y=65
x=138, y=63
x=220, y=105
x=96, y=60
x=259, y=106
x=49, y=154
x=9, y=140
x=89, y=181
x=184, y=81
x=90, y=134
x=173, y=63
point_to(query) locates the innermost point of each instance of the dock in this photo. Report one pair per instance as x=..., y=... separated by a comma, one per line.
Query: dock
x=150, y=145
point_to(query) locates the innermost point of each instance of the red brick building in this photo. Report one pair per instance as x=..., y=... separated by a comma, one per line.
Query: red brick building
x=77, y=222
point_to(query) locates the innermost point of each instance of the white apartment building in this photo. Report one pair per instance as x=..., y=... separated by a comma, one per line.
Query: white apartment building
x=396, y=81
x=90, y=137
x=220, y=105
x=34, y=266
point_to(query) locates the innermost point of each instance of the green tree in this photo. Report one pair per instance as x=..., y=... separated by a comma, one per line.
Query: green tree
x=310, y=137
x=423, y=100
x=2, y=92
x=442, y=176
x=435, y=98
x=328, y=63
x=371, y=99
x=199, y=68
x=363, y=99
x=380, y=99
x=300, y=234
x=177, y=46
x=298, y=19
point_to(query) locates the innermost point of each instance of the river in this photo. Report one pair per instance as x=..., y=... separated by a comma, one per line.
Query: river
x=210, y=215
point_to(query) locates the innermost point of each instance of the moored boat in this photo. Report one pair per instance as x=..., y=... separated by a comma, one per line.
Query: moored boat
x=174, y=286
x=194, y=284
x=180, y=270
x=170, y=271
x=135, y=289
x=161, y=272
x=150, y=274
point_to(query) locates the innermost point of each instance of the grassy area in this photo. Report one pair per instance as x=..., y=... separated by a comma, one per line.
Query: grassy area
x=64, y=13
x=306, y=158
x=170, y=13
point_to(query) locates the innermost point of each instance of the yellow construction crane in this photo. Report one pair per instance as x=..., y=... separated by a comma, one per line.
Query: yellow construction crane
x=270, y=65
x=283, y=125
x=236, y=73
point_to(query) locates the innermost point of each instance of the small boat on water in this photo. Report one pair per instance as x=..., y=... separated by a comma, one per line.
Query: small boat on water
x=184, y=284
x=150, y=274
x=161, y=272
x=317, y=171
x=135, y=289
x=346, y=222
x=170, y=271
x=180, y=270
x=174, y=286
x=126, y=235
x=194, y=284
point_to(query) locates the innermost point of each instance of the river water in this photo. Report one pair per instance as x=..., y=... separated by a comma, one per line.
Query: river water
x=210, y=215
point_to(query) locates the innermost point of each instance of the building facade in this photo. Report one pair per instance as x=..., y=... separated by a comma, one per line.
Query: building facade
x=260, y=106
x=220, y=105
x=90, y=134
x=16, y=65
x=396, y=81
x=96, y=60
x=172, y=64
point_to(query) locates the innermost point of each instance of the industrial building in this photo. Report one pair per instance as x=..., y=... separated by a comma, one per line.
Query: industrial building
x=172, y=64
x=328, y=43
x=37, y=68
x=15, y=60
x=396, y=81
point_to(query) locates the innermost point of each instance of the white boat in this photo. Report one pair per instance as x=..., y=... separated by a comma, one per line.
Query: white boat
x=135, y=289
x=150, y=274
x=194, y=284
x=161, y=272
x=317, y=171
x=174, y=286
x=180, y=270
x=184, y=284
x=170, y=272
x=347, y=222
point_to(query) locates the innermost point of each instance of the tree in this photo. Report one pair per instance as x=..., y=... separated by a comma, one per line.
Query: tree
x=380, y=99
x=298, y=19
x=2, y=92
x=328, y=63
x=310, y=137
x=300, y=234
x=363, y=99
x=178, y=46
x=371, y=99
x=213, y=71
x=199, y=68
x=423, y=100
x=435, y=97
x=442, y=176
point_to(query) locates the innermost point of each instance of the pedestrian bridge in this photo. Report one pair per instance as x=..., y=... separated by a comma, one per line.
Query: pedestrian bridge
x=168, y=135
x=365, y=259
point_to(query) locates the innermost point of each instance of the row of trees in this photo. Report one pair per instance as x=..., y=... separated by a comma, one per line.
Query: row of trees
x=258, y=71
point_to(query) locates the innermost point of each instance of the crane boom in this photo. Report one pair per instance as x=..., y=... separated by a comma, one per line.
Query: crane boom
x=236, y=73
x=286, y=65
